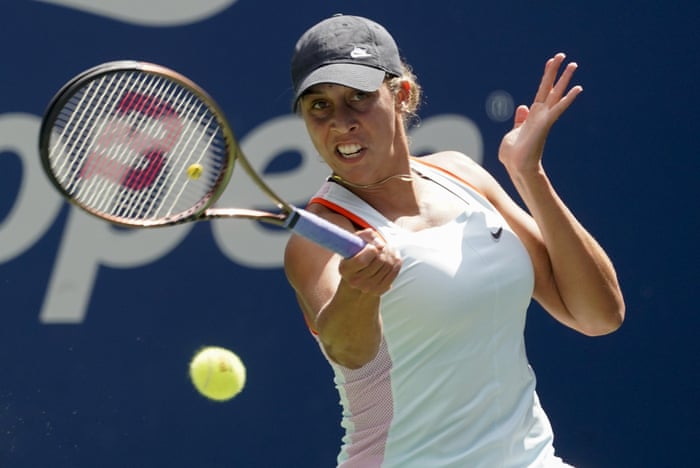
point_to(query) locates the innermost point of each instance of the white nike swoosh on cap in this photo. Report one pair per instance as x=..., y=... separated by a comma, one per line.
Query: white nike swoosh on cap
x=359, y=52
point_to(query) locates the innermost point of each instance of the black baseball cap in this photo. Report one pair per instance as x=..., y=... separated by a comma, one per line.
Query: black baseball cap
x=347, y=50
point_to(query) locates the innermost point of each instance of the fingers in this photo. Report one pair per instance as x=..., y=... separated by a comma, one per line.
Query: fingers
x=547, y=81
x=552, y=90
x=374, y=268
x=566, y=101
x=521, y=114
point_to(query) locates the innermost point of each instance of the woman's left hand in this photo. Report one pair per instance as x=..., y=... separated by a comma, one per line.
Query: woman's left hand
x=521, y=149
x=575, y=280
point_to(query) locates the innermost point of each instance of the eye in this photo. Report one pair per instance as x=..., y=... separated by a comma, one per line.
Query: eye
x=318, y=107
x=318, y=104
x=358, y=96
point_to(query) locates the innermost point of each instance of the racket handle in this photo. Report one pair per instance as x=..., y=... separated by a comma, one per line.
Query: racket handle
x=324, y=233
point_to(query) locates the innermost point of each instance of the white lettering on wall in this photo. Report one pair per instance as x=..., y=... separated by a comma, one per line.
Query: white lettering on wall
x=37, y=203
x=260, y=146
x=88, y=243
x=149, y=13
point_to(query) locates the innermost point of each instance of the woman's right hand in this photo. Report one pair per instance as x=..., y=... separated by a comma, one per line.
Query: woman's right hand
x=374, y=268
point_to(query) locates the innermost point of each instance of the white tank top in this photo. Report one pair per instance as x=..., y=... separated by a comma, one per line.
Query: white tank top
x=451, y=385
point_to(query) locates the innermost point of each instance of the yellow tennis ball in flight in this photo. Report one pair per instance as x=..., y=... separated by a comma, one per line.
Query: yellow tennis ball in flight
x=194, y=172
x=217, y=373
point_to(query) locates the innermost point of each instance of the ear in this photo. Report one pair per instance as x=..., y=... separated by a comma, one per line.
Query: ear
x=402, y=95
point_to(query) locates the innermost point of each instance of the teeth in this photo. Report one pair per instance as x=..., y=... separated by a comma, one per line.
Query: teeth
x=349, y=150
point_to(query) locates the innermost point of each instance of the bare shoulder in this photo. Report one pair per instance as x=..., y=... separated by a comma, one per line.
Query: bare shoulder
x=463, y=167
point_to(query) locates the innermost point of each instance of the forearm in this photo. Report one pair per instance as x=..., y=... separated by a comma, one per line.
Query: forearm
x=349, y=326
x=341, y=297
x=581, y=271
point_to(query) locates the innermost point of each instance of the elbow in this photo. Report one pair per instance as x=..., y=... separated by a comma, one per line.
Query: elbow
x=347, y=344
x=606, y=324
x=601, y=329
x=351, y=351
x=350, y=358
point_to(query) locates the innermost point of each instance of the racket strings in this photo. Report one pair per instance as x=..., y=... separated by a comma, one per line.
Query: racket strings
x=188, y=146
x=193, y=155
x=141, y=189
x=142, y=202
x=201, y=144
x=88, y=122
x=105, y=195
x=123, y=144
x=72, y=140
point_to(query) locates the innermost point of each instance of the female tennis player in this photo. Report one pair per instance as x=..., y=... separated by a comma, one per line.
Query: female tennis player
x=424, y=326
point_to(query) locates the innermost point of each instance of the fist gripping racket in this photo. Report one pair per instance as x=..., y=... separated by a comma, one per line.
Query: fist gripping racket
x=140, y=145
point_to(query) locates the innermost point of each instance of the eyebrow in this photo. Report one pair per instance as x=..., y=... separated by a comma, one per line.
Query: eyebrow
x=308, y=92
x=315, y=89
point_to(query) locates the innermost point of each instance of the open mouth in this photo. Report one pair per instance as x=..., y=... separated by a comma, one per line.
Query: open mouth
x=349, y=151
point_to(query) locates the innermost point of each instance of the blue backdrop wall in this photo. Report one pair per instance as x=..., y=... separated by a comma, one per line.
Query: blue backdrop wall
x=98, y=324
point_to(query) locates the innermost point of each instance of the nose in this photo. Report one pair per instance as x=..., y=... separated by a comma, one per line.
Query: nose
x=344, y=120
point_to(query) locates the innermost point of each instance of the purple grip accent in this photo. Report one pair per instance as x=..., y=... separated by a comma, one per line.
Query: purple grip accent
x=324, y=233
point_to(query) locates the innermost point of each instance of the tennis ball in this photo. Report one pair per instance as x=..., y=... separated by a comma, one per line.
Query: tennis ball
x=194, y=172
x=217, y=373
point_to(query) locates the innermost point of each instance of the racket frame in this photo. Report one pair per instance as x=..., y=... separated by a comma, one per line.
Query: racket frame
x=204, y=208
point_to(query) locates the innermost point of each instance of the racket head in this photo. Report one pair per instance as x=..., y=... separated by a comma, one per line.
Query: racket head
x=137, y=144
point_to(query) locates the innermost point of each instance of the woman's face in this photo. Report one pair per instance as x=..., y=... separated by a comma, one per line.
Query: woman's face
x=359, y=134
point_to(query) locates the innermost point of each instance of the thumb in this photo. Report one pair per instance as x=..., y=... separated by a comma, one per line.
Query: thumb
x=371, y=237
x=521, y=114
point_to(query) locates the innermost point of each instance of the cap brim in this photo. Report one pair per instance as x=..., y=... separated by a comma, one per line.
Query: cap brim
x=351, y=75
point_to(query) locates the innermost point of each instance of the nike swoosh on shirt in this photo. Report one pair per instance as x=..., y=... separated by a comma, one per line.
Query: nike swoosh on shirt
x=497, y=233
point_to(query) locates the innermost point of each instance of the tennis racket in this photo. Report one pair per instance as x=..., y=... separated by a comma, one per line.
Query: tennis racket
x=142, y=146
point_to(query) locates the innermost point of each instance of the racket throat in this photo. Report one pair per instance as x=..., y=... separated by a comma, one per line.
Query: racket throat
x=289, y=221
x=280, y=219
